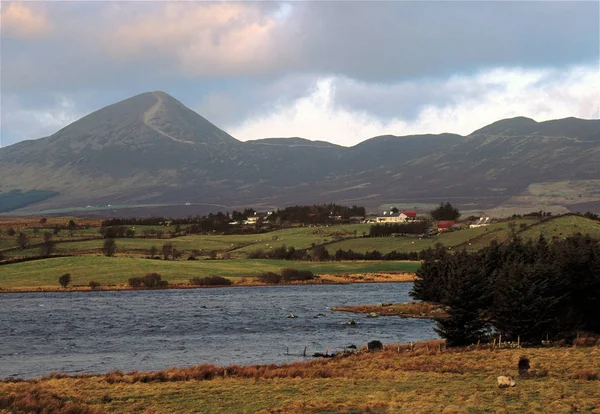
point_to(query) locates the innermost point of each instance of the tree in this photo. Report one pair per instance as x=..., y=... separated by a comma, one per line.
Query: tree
x=153, y=251
x=11, y=232
x=64, y=280
x=177, y=254
x=56, y=230
x=395, y=210
x=109, y=248
x=445, y=211
x=47, y=236
x=167, y=250
x=320, y=253
x=529, y=301
x=72, y=227
x=43, y=220
x=47, y=248
x=22, y=240
x=468, y=295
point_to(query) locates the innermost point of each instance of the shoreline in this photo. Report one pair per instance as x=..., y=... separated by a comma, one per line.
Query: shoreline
x=418, y=310
x=324, y=279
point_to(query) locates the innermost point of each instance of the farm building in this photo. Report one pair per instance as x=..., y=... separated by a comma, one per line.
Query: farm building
x=445, y=225
x=401, y=217
x=482, y=222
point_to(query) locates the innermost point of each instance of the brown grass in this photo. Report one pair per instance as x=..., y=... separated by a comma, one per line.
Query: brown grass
x=368, y=278
x=424, y=377
x=426, y=310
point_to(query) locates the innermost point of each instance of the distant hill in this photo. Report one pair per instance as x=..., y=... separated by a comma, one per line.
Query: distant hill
x=150, y=150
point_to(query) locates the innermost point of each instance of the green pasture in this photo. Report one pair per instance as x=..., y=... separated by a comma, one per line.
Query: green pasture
x=117, y=270
x=563, y=227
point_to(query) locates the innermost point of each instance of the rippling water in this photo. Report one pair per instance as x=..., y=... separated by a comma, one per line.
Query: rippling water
x=98, y=332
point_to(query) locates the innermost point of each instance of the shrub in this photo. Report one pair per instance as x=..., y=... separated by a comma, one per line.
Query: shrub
x=93, y=284
x=135, y=281
x=289, y=274
x=64, y=280
x=210, y=281
x=151, y=280
x=109, y=248
x=269, y=277
x=257, y=254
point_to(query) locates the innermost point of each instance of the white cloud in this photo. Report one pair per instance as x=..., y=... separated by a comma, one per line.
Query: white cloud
x=36, y=123
x=469, y=103
x=22, y=21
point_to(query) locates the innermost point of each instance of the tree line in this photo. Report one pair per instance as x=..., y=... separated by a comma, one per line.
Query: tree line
x=527, y=290
x=388, y=229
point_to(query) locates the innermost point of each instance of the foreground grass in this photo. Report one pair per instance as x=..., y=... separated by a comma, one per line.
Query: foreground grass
x=395, y=380
x=117, y=270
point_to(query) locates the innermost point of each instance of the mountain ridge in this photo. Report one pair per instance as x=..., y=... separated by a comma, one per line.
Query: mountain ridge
x=151, y=148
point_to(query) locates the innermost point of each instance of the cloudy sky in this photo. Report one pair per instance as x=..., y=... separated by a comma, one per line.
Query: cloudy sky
x=336, y=71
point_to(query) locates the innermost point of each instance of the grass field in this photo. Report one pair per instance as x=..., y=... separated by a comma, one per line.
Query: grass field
x=563, y=227
x=239, y=245
x=423, y=380
x=117, y=270
x=349, y=236
x=478, y=237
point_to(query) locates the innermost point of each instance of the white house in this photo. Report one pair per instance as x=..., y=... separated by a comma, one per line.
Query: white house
x=482, y=222
x=401, y=217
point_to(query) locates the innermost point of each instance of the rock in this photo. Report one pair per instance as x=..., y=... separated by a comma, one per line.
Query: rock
x=372, y=315
x=352, y=346
x=374, y=346
x=523, y=366
x=505, y=381
x=322, y=355
x=351, y=322
x=292, y=316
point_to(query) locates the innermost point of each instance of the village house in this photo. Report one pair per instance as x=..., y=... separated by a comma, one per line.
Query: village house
x=482, y=222
x=258, y=218
x=445, y=225
x=400, y=217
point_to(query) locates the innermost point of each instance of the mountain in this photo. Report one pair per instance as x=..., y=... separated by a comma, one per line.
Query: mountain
x=151, y=150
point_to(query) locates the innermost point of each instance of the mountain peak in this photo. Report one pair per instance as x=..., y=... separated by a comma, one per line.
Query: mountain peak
x=519, y=125
x=146, y=119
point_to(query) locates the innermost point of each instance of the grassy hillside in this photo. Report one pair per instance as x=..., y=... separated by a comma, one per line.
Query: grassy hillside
x=117, y=270
x=425, y=381
x=349, y=236
x=238, y=245
x=563, y=227
x=478, y=237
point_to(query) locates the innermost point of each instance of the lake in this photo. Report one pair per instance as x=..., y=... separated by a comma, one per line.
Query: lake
x=80, y=332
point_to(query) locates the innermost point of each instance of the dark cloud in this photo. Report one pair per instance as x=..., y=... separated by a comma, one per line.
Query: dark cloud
x=231, y=61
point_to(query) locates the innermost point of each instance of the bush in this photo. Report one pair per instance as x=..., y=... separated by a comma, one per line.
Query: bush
x=151, y=280
x=93, y=284
x=257, y=254
x=289, y=274
x=210, y=281
x=64, y=280
x=269, y=277
x=135, y=281
x=109, y=248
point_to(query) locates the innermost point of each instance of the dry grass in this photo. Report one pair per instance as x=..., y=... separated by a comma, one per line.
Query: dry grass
x=412, y=309
x=392, y=277
x=399, y=379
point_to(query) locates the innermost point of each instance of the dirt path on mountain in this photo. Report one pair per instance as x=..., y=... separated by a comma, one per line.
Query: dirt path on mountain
x=149, y=114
